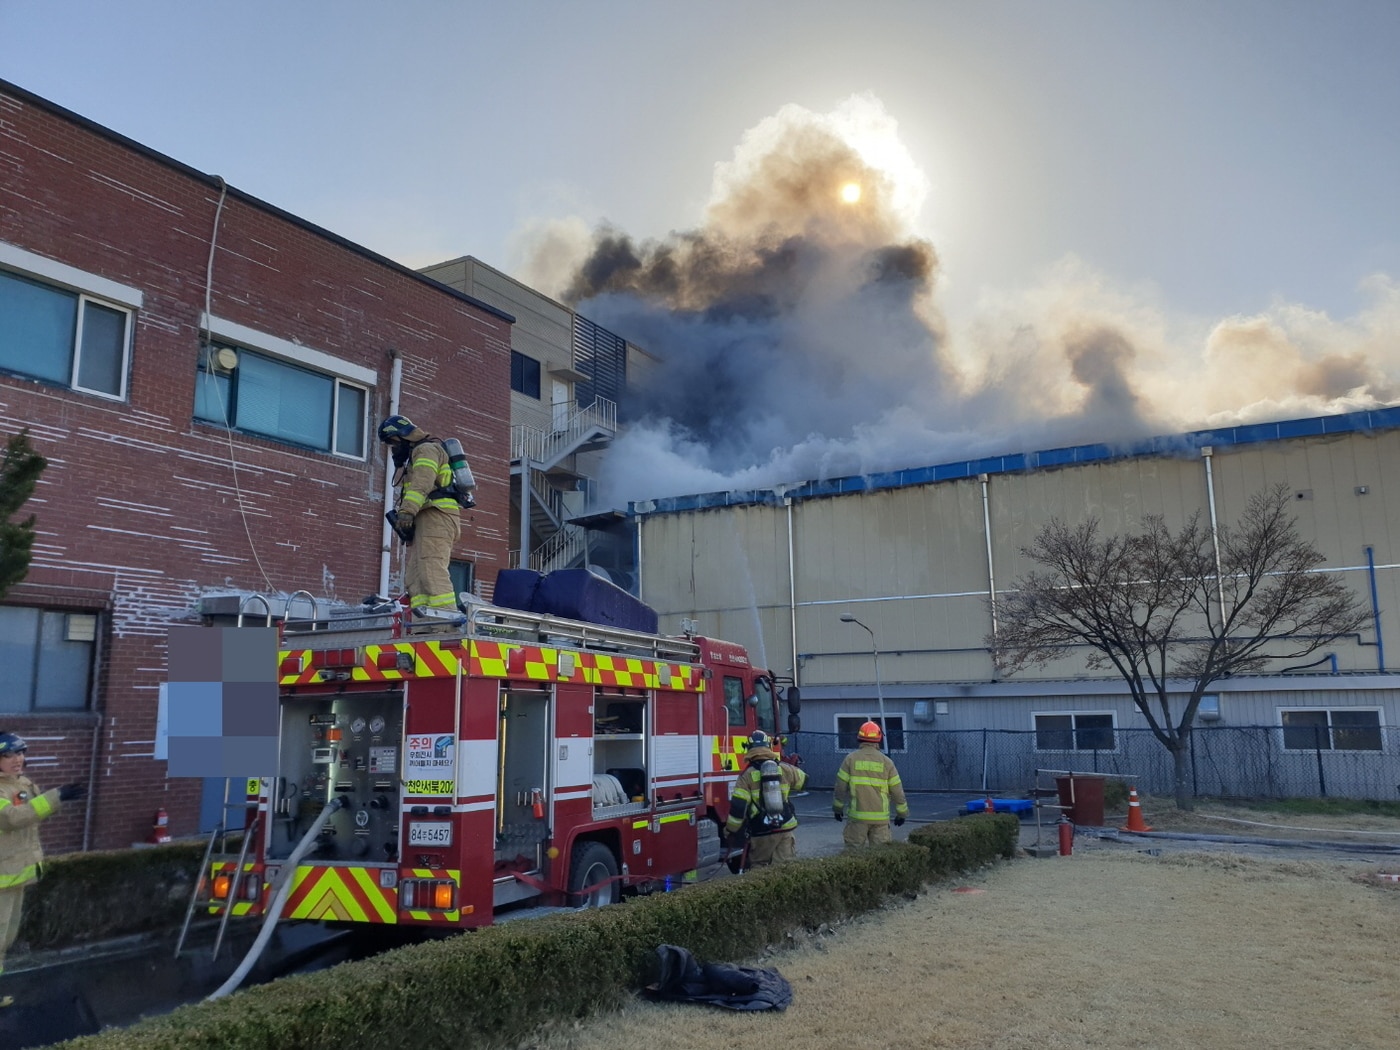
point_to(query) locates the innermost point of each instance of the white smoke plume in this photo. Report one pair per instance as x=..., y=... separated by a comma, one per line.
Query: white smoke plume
x=800, y=336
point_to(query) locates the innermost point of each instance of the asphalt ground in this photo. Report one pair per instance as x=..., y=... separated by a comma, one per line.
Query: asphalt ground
x=819, y=835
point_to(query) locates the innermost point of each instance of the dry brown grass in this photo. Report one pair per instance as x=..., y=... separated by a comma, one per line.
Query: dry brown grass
x=1219, y=818
x=1102, y=950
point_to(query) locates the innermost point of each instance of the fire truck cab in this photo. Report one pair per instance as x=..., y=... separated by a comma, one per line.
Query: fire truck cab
x=514, y=760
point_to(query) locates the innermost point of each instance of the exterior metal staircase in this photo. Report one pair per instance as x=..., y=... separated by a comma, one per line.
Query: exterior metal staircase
x=584, y=430
x=535, y=455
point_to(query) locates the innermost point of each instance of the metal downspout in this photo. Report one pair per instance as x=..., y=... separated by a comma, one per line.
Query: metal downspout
x=1207, y=453
x=1375, y=611
x=991, y=566
x=386, y=534
x=792, y=590
x=93, y=697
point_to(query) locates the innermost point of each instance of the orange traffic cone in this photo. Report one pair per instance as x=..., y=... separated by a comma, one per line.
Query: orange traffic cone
x=1135, y=821
x=160, y=829
x=989, y=807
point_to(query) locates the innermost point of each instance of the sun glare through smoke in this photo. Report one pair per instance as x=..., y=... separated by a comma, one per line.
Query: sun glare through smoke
x=798, y=338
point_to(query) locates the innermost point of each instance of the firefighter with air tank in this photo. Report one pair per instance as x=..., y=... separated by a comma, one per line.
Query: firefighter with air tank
x=866, y=784
x=434, y=484
x=759, y=807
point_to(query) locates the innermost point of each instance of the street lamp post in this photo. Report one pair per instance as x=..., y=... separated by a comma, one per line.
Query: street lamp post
x=879, y=691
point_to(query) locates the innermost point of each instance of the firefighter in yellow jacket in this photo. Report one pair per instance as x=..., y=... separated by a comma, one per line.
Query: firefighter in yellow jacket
x=866, y=784
x=22, y=807
x=428, y=516
x=759, y=804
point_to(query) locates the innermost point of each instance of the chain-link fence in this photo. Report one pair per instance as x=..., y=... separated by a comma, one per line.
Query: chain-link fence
x=1225, y=762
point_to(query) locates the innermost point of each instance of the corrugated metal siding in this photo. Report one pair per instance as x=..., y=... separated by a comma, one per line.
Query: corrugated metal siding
x=911, y=561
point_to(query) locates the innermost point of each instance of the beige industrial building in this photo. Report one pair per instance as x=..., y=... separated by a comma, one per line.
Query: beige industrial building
x=914, y=556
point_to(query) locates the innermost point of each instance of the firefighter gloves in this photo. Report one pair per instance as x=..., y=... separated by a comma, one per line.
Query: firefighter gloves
x=898, y=821
x=837, y=814
x=68, y=792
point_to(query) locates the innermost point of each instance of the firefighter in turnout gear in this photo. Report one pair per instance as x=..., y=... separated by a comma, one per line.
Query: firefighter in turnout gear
x=22, y=807
x=759, y=806
x=866, y=784
x=428, y=519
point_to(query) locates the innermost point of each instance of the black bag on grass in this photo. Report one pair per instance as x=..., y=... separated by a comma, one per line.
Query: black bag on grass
x=683, y=979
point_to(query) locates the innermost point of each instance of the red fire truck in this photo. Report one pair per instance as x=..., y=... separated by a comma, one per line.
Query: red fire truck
x=510, y=761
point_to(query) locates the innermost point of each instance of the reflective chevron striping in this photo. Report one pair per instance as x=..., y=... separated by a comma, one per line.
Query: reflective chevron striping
x=347, y=894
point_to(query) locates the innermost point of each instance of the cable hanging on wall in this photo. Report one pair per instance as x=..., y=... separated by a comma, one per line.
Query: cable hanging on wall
x=223, y=359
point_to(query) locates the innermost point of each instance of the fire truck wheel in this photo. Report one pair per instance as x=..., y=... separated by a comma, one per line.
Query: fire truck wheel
x=593, y=865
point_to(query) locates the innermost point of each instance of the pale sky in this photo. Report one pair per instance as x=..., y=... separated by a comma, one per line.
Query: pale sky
x=1225, y=152
x=1188, y=163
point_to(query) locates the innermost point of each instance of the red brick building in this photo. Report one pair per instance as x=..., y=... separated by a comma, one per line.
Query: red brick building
x=203, y=372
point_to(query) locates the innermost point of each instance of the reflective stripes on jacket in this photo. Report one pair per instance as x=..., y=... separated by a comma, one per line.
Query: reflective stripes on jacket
x=427, y=470
x=869, y=781
x=22, y=807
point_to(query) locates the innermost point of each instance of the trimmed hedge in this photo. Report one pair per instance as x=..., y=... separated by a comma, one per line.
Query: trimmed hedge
x=96, y=896
x=498, y=985
x=967, y=842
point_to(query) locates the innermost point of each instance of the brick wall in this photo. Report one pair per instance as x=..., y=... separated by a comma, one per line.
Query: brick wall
x=141, y=510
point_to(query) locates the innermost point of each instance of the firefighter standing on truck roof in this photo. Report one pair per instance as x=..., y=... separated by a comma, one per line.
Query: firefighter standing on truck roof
x=759, y=804
x=22, y=807
x=869, y=780
x=428, y=516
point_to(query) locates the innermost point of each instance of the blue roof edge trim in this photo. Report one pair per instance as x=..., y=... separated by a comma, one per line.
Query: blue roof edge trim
x=1188, y=443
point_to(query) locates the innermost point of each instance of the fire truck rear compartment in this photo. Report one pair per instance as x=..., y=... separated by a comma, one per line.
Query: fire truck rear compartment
x=347, y=746
x=522, y=793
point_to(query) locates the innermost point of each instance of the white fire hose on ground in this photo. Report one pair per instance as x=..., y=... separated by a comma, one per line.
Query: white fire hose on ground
x=279, y=901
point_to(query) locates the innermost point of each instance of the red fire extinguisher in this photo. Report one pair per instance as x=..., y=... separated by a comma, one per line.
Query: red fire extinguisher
x=1066, y=836
x=160, y=830
x=537, y=803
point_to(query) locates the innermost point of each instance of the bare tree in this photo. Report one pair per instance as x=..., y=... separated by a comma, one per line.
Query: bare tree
x=1157, y=609
x=20, y=467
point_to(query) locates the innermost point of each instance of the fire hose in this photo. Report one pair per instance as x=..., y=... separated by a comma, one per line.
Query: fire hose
x=281, y=891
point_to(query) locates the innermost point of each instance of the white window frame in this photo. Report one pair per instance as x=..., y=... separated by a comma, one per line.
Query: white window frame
x=1074, y=731
x=87, y=288
x=1332, y=729
x=342, y=373
x=896, y=722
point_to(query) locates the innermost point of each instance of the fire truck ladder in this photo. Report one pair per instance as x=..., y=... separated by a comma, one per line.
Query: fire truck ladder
x=496, y=623
x=203, y=894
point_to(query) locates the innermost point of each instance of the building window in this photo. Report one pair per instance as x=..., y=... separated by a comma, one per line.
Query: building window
x=47, y=657
x=1075, y=732
x=463, y=575
x=848, y=726
x=1343, y=729
x=63, y=337
x=252, y=392
x=524, y=375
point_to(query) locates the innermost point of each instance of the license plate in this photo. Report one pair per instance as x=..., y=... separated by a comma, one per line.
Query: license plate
x=429, y=833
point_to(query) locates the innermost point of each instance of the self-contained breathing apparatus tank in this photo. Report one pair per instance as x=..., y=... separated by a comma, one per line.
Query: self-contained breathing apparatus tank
x=462, y=480
x=772, y=804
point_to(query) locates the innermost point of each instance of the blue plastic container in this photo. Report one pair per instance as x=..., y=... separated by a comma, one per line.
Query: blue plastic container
x=1019, y=806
